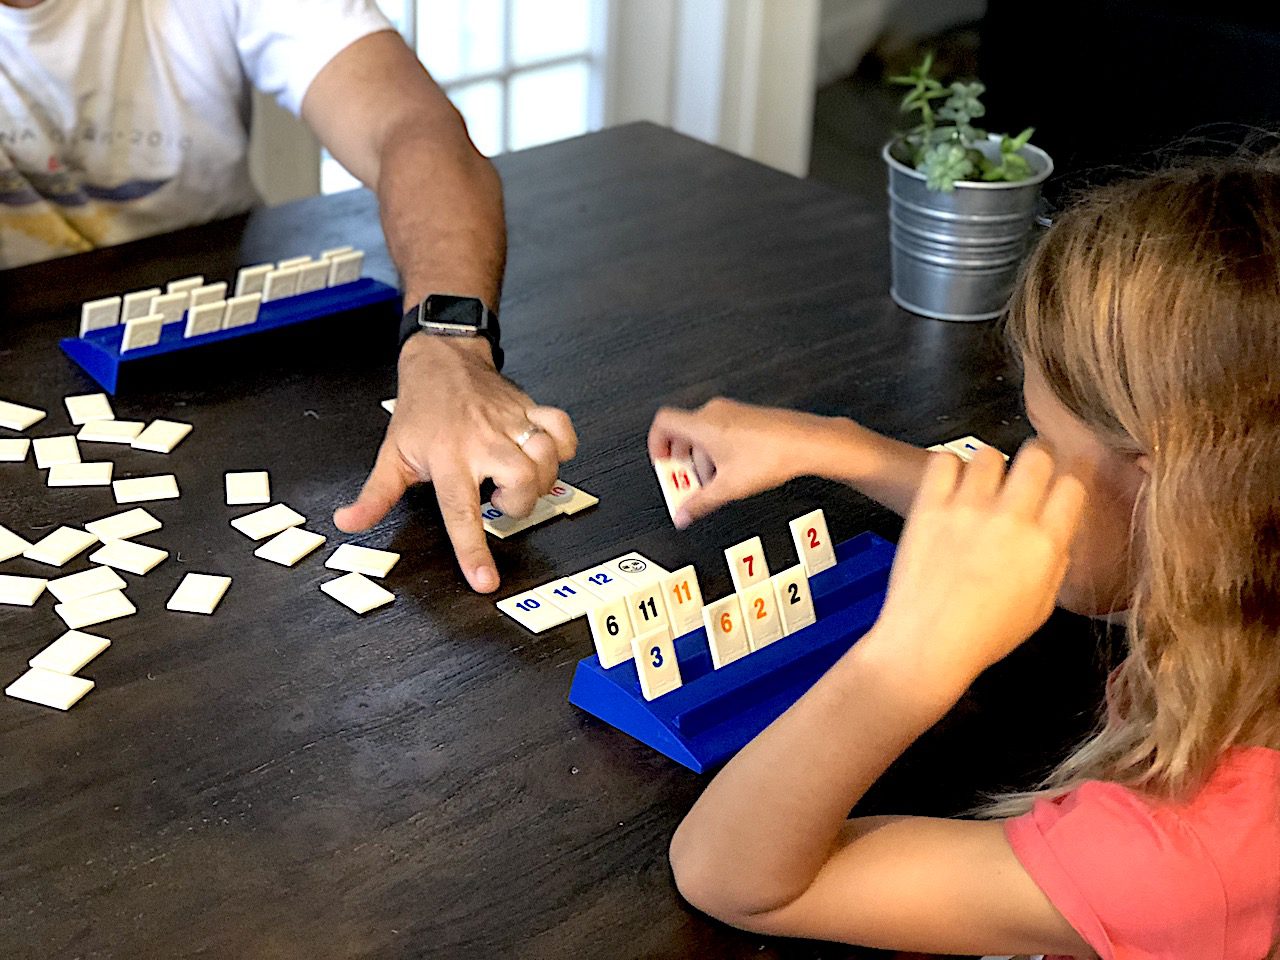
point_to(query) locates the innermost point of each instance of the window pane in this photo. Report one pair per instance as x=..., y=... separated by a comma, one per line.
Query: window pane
x=460, y=38
x=542, y=29
x=481, y=106
x=549, y=104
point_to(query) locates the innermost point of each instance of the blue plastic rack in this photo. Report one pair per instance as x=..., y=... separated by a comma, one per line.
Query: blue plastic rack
x=98, y=352
x=715, y=713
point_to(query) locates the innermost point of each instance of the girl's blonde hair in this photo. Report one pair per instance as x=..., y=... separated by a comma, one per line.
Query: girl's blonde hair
x=1152, y=310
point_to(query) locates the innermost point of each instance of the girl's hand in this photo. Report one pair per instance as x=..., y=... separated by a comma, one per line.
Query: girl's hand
x=738, y=449
x=979, y=564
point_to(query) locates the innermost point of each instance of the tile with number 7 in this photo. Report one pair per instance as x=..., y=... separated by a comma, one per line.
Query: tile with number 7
x=656, y=665
x=684, y=600
x=746, y=563
x=611, y=632
x=795, y=600
x=813, y=542
x=726, y=634
x=532, y=612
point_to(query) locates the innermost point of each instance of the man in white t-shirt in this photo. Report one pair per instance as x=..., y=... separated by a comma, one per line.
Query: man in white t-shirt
x=125, y=118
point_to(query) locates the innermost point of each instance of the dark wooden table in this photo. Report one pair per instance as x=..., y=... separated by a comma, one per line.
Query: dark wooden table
x=287, y=780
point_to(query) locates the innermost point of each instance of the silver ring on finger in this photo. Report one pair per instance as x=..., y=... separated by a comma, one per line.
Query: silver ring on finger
x=527, y=434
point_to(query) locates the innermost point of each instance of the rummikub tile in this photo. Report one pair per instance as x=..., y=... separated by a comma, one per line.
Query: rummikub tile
x=334, y=252
x=14, y=416
x=363, y=560
x=532, y=612
x=198, y=593
x=795, y=600
x=11, y=545
x=247, y=487
x=206, y=318
x=99, y=608
x=966, y=447
x=568, y=499
x=678, y=480
x=110, y=431
x=684, y=600
x=760, y=613
x=267, y=523
x=49, y=689
x=636, y=568
x=656, y=665
x=292, y=262
x=813, y=542
x=136, y=558
x=124, y=525
x=14, y=449
x=358, y=592
x=185, y=285
x=143, y=489
x=86, y=583
x=209, y=293
x=69, y=653
x=389, y=405
x=313, y=277
x=611, y=631
x=289, y=546
x=99, y=314
x=345, y=268
x=54, y=450
x=502, y=526
x=648, y=610
x=61, y=546
x=21, y=591
x=746, y=563
x=726, y=631
x=138, y=304
x=93, y=474
x=170, y=306
x=88, y=406
x=280, y=284
x=604, y=581
x=161, y=436
x=141, y=333
x=242, y=311
x=250, y=279
x=573, y=598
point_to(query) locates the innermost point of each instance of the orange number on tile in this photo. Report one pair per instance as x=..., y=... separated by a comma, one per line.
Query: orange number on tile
x=726, y=623
x=761, y=613
x=683, y=586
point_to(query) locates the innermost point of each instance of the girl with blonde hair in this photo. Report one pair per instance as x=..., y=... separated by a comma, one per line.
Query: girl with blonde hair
x=1147, y=321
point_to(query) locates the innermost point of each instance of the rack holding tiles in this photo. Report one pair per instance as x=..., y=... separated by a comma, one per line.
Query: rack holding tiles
x=120, y=335
x=715, y=712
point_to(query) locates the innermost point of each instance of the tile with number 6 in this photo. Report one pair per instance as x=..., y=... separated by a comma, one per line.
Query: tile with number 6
x=656, y=665
x=746, y=563
x=611, y=632
x=532, y=612
x=726, y=634
x=813, y=542
x=684, y=600
x=760, y=612
x=795, y=600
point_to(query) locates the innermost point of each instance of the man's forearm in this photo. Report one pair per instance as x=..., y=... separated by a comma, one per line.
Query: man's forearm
x=441, y=208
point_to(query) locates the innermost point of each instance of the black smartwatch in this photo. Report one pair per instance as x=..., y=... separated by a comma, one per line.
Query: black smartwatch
x=443, y=315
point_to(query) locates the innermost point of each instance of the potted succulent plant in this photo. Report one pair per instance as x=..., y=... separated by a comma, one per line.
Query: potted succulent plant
x=962, y=202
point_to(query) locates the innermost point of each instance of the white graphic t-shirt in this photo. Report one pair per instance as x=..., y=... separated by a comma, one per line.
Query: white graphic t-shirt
x=125, y=118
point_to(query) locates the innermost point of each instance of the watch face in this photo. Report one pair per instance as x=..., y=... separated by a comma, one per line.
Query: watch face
x=442, y=308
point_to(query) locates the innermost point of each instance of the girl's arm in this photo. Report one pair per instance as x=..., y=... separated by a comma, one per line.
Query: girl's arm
x=741, y=450
x=767, y=846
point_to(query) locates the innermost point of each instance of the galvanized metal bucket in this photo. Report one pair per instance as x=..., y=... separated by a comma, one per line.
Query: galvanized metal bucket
x=955, y=255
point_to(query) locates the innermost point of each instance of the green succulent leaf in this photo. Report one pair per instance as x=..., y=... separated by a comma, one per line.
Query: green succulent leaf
x=944, y=164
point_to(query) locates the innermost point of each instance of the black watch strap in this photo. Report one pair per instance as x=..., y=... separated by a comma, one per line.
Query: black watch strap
x=443, y=316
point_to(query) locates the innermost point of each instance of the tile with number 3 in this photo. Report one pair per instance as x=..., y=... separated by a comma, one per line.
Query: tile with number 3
x=726, y=634
x=656, y=665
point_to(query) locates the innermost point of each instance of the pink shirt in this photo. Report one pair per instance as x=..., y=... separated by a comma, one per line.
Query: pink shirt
x=1145, y=881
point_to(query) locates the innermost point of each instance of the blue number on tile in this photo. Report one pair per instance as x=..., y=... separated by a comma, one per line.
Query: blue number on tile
x=656, y=653
x=600, y=579
x=528, y=605
x=565, y=591
x=493, y=513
